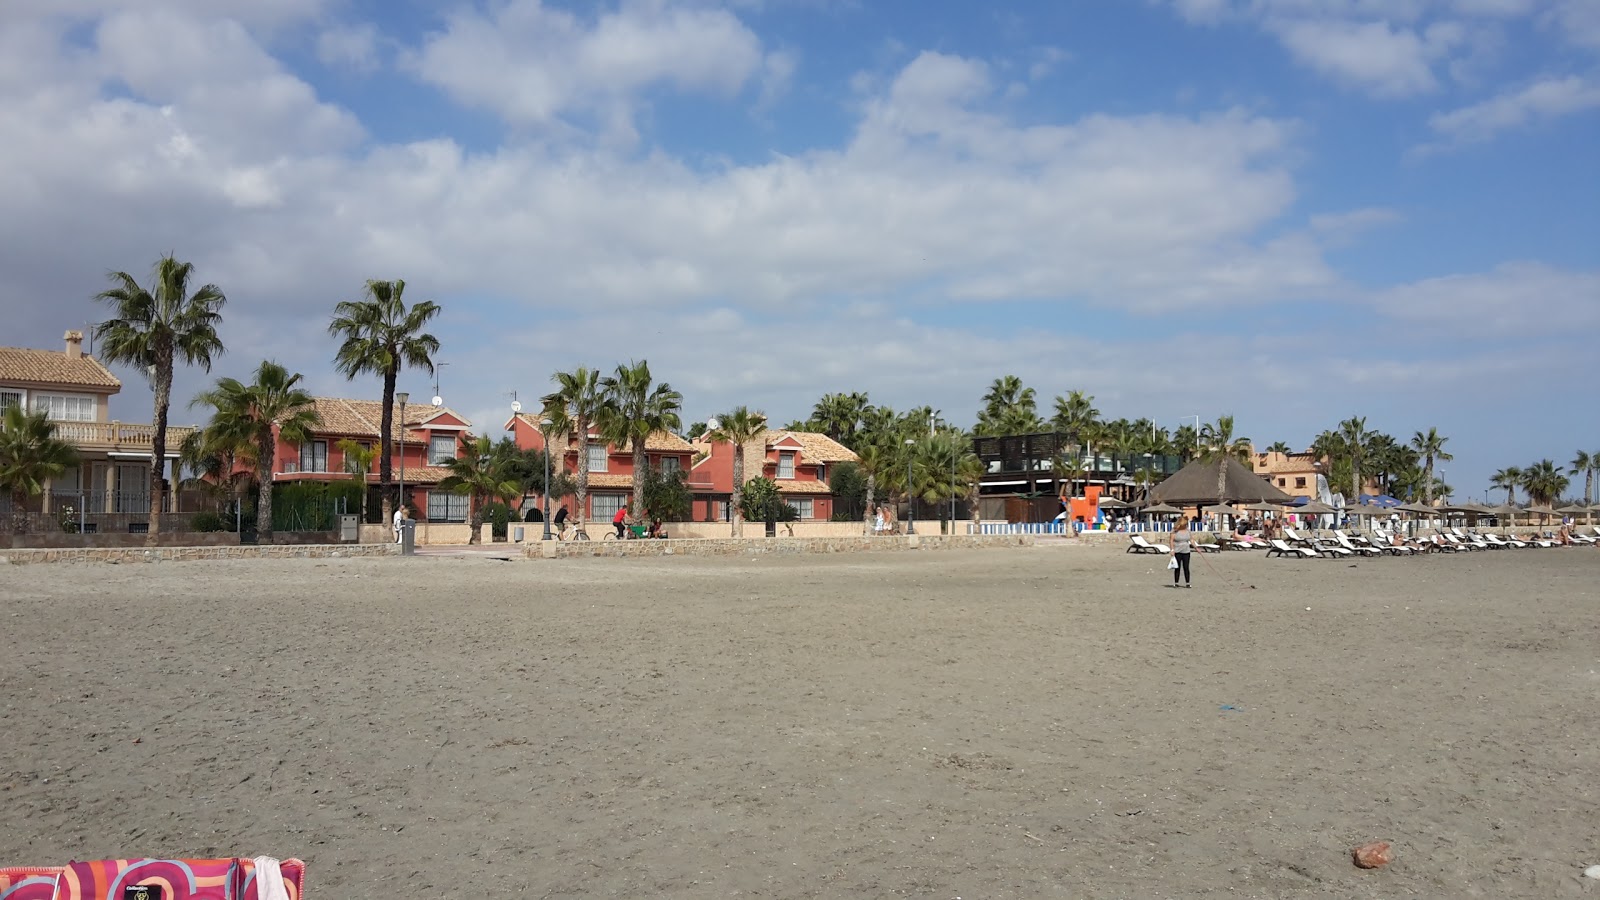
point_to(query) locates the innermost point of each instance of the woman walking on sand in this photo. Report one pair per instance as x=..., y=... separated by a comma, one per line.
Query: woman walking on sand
x=1180, y=551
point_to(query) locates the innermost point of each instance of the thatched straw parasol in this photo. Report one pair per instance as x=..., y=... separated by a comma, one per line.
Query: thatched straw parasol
x=1196, y=485
x=1264, y=507
x=1161, y=509
x=1113, y=503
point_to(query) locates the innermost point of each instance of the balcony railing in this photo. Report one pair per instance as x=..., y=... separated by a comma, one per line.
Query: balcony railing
x=117, y=435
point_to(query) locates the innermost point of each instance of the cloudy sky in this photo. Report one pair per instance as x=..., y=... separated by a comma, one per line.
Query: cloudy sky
x=1293, y=211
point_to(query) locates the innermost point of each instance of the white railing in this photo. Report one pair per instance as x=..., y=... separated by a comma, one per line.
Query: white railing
x=117, y=434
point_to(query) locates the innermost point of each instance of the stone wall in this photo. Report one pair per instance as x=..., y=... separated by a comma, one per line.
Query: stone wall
x=764, y=545
x=176, y=554
x=62, y=540
x=533, y=532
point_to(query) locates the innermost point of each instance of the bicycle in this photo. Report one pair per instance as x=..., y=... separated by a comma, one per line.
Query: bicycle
x=634, y=533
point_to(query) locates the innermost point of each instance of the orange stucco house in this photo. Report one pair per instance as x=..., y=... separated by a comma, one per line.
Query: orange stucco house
x=799, y=461
x=428, y=438
x=610, y=467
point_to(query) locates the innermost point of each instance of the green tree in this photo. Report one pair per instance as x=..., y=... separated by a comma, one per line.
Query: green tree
x=849, y=486
x=666, y=495
x=945, y=469
x=633, y=408
x=1430, y=444
x=243, y=416
x=30, y=455
x=760, y=500
x=873, y=461
x=1354, y=435
x=482, y=477
x=572, y=407
x=1508, y=479
x=153, y=329
x=1009, y=408
x=380, y=335
x=1544, y=482
x=216, y=462
x=839, y=416
x=1584, y=463
x=1279, y=447
x=1220, y=445
x=1076, y=417
x=739, y=426
x=358, y=458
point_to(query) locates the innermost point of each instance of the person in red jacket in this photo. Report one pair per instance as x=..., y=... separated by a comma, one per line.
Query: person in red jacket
x=621, y=521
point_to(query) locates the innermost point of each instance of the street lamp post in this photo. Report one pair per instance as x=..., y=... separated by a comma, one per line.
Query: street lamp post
x=911, y=511
x=403, y=396
x=544, y=433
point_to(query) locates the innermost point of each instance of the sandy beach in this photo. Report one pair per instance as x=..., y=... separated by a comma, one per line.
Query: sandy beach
x=1039, y=722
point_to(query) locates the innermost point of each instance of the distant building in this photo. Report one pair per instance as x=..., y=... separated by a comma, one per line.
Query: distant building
x=798, y=461
x=610, y=466
x=1293, y=473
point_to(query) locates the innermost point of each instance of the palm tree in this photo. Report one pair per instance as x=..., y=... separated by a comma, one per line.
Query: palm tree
x=1220, y=445
x=243, y=416
x=1354, y=435
x=573, y=407
x=1074, y=412
x=1509, y=479
x=358, y=458
x=1544, y=482
x=30, y=454
x=1186, y=441
x=1279, y=447
x=839, y=415
x=947, y=468
x=482, y=476
x=1584, y=464
x=1009, y=408
x=215, y=462
x=1431, y=445
x=739, y=427
x=380, y=336
x=871, y=461
x=153, y=329
x=634, y=408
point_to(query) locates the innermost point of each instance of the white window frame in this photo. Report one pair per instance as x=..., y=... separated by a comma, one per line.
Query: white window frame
x=447, y=506
x=12, y=398
x=804, y=507
x=437, y=455
x=309, y=461
x=599, y=458
x=670, y=464
x=65, y=407
x=605, y=505
x=786, y=457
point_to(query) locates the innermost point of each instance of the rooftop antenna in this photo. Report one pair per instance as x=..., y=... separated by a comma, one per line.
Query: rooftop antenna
x=437, y=399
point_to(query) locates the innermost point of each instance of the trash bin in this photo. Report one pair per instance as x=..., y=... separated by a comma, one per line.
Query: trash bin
x=408, y=537
x=516, y=534
x=349, y=528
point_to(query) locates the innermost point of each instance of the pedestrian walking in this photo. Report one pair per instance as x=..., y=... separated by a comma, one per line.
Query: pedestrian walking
x=1181, y=547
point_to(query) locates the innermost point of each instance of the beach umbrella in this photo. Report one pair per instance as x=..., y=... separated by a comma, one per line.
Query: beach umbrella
x=1161, y=509
x=1418, y=509
x=1314, y=508
x=1574, y=509
x=1264, y=507
x=1222, y=509
x=1113, y=503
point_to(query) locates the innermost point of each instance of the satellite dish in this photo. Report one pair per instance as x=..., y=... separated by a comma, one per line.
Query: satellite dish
x=516, y=406
x=438, y=400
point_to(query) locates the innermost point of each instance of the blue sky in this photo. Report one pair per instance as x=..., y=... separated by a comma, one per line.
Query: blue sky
x=1292, y=211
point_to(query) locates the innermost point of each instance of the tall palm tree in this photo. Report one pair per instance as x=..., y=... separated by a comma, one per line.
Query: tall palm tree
x=739, y=426
x=572, y=407
x=1430, y=444
x=1279, y=447
x=380, y=335
x=1186, y=441
x=216, y=462
x=244, y=415
x=1508, y=479
x=154, y=328
x=482, y=476
x=1584, y=463
x=1009, y=408
x=633, y=408
x=358, y=459
x=30, y=454
x=1074, y=411
x=1220, y=445
x=1544, y=482
x=839, y=415
x=872, y=462
x=1354, y=435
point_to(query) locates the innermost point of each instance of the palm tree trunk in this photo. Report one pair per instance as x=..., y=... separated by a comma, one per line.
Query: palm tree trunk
x=19, y=512
x=264, y=493
x=1588, y=485
x=639, y=464
x=1427, y=482
x=476, y=519
x=872, y=495
x=582, y=500
x=386, y=444
x=158, y=442
x=735, y=515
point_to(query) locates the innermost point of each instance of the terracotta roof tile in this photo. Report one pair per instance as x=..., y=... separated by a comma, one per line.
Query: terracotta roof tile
x=423, y=474
x=814, y=447
x=609, y=480
x=364, y=418
x=46, y=367
x=803, y=487
x=663, y=441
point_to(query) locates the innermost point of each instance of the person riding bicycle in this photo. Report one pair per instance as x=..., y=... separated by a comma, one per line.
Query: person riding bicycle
x=560, y=520
x=620, y=520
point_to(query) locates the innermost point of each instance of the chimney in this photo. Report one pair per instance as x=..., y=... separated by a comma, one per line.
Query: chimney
x=74, y=344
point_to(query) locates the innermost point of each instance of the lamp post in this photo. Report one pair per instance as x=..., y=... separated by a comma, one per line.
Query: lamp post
x=402, y=396
x=911, y=511
x=544, y=433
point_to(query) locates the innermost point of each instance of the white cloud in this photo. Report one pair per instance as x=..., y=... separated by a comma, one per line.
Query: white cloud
x=1543, y=100
x=250, y=12
x=1577, y=20
x=1391, y=62
x=1514, y=301
x=350, y=47
x=532, y=64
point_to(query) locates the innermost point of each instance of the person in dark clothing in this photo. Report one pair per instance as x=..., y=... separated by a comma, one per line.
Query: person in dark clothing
x=560, y=520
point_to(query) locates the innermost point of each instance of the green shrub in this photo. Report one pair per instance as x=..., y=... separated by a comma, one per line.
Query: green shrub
x=497, y=514
x=209, y=521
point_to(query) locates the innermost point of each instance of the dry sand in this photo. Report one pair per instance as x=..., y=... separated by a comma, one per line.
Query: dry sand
x=1045, y=722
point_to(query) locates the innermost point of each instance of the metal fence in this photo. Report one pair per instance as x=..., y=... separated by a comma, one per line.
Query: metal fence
x=102, y=512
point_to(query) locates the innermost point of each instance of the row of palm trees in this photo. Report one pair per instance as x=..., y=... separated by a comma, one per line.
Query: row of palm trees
x=1544, y=481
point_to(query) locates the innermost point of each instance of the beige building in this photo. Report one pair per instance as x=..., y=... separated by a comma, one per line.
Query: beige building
x=111, y=489
x=1293, y=473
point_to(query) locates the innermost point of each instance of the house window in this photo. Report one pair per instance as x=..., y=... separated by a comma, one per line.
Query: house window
x=804, y=506
x=9, y=399
x=597, y=458
x=1299, y=482
x=314, y=456
x=445, y=506
x=1282, y=482
x=606, y=505
x=65, y=407
x=670, y=464
x=786, y=464
x=441, y=449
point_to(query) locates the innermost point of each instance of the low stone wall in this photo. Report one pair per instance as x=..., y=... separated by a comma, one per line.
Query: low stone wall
x=62, y=540
x=533, y=532
x=765, y=545
x=176, y=554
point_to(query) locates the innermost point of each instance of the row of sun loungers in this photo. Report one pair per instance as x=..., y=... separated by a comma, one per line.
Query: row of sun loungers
x=1343, y=545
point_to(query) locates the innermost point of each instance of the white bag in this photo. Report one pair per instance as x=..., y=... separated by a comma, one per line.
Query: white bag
x=1172, y=563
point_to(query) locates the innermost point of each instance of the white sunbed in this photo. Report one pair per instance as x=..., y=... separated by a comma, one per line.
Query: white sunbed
x=1139, y=545
x=1346, y=543
x=1280, y=549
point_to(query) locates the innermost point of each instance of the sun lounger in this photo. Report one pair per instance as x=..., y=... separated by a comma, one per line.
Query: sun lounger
x=1139, y=545
x=1280, y=549
x=1346, y=543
